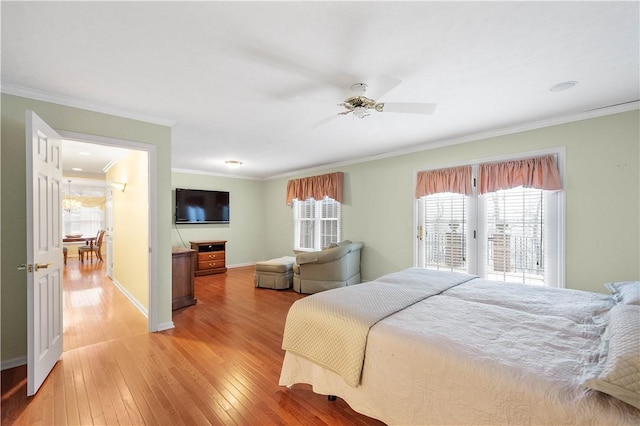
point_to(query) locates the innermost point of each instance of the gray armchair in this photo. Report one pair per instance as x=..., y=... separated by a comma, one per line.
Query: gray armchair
x=333, y=267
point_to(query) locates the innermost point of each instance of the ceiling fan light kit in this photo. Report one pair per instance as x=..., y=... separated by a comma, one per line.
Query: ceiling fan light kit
x=361, y=105
x=360, y=112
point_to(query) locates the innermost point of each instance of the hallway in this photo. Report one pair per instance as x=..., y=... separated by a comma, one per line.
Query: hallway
x=95, y=310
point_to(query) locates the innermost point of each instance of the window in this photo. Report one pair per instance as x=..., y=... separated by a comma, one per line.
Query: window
x=82, y=221
x=87, y=218
x=510, y=235
x=445, y=224
x=515, y=243
x=317, y=223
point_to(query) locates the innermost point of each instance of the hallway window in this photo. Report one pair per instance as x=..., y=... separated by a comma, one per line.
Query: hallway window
x=89, y=217
x=84, y=221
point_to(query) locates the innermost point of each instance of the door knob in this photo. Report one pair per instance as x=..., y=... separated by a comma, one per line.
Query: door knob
x=41, y=266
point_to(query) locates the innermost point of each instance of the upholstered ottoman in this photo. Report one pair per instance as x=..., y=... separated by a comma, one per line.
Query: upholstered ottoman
x=275, y=273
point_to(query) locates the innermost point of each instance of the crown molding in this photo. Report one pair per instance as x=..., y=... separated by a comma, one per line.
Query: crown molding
x=40, y=95
x=586, y=115
x=200, y=172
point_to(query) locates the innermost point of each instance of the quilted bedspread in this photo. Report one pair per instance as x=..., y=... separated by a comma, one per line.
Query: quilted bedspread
x=479, y=352
x=331, y=328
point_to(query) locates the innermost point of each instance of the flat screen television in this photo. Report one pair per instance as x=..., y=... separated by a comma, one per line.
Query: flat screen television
x=201, y=206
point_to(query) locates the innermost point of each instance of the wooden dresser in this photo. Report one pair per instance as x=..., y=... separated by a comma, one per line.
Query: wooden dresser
x=183, y=266
x=211, y=257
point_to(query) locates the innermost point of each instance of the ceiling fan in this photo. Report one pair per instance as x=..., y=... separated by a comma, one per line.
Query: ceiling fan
x=361, y=106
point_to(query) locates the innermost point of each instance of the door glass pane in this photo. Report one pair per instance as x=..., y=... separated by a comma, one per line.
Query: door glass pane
x=515, y=229
x=445, y=230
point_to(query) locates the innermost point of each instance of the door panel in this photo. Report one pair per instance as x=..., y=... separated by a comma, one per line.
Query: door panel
x=44, y=251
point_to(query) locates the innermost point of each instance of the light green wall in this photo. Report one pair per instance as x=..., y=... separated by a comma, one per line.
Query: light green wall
x=602, y=183
x=13, y=224
x=244, y=233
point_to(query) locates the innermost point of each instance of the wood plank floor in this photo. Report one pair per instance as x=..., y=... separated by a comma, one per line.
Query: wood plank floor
x=219, y=365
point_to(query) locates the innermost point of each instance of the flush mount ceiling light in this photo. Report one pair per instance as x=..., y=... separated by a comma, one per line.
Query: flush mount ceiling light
x=233, y=164
x=565, y=85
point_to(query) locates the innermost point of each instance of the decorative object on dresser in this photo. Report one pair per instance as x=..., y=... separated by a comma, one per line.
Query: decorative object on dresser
x=211, y=257
x=183, y=268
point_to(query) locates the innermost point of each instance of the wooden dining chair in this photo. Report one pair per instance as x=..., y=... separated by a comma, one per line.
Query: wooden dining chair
x=91, y=248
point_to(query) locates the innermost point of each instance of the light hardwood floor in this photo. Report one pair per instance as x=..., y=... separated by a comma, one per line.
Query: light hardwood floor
x=219, y=365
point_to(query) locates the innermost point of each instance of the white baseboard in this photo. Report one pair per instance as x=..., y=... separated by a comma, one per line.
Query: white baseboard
x=165, y=326
x=11, y=363
x=241, y=265
x=131, y=298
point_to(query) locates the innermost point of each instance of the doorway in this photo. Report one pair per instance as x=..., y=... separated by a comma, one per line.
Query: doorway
x=142, y=296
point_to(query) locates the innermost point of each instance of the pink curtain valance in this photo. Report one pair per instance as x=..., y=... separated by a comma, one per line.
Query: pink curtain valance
x=455, y=179
x=539, y=172
x=316, y=187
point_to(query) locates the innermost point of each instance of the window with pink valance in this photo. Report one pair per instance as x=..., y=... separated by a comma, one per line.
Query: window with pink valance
x=316, y=187
x=455, y=179
x=539, y=172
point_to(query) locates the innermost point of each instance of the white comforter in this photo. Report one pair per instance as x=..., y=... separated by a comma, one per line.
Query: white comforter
x=481, y=353
x=331, y=328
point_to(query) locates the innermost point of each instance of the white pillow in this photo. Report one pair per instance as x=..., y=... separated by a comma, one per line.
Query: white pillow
x=620, y=374
x=626, y=292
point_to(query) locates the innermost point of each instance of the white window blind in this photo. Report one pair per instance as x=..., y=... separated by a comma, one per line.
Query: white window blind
x=82, y=221
x=305, y=223
x=89, y=217
x=317, y=223
x=512, y=235
x=444, y=229
x=515, y=235
x=329, y=221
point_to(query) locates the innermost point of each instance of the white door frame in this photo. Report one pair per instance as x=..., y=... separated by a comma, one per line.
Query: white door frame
x=153, y=208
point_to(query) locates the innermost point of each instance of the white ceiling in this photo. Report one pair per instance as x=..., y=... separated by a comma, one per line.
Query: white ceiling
x=259, y=82
x=88, y=160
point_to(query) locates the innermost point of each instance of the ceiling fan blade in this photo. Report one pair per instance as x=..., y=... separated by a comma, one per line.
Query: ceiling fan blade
x=383, y=85
x=409, y=107
x=261, y=53
x=324, y=121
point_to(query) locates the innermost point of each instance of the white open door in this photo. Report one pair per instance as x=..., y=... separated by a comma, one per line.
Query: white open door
x=44, y=251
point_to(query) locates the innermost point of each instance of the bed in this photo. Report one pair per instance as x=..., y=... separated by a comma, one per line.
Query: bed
x=428, y=347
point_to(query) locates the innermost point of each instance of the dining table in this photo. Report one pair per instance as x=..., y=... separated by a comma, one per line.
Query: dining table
x=78, y=239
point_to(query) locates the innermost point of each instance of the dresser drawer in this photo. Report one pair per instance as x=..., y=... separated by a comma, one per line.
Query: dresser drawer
x=211, y=255
x=211, y=264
